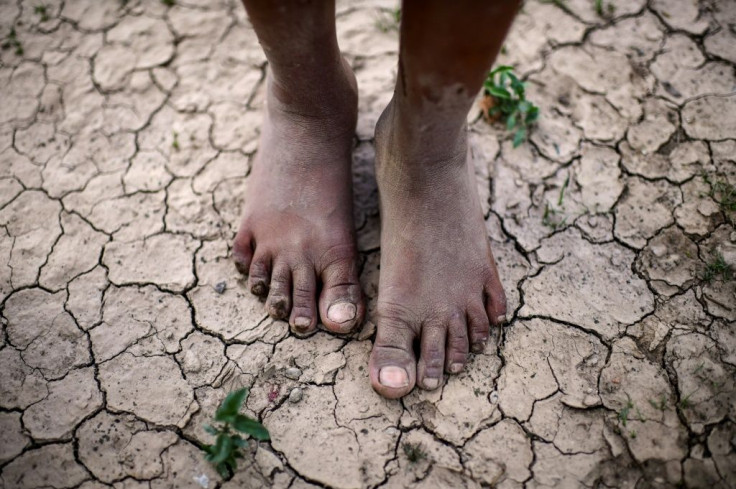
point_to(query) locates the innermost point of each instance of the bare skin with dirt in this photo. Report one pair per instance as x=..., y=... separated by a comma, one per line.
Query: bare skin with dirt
x=297, y=233
x=445, y=296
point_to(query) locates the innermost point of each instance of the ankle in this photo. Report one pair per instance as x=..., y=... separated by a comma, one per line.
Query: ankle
x=330, y=92
x=416, y=147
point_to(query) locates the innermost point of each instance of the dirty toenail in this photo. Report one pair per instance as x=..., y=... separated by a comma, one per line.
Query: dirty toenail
x=501, y=319
x=301, y=323
x=259, y=288
x=456, y=368
x=479, y=347
x=393, y=377
x=341, y=312
x=431, y=384
x=240, y=267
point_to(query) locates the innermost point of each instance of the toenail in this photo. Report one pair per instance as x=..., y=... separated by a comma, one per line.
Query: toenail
x=259, y=288
x=431, y=384
x=478, y=347
x=240, y=267
x=393, y=377
x=302, y=324
x=501, y=319
x=341, y=312
x=456, y=368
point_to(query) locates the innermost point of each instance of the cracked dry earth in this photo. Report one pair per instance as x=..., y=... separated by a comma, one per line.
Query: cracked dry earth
x=126, y=134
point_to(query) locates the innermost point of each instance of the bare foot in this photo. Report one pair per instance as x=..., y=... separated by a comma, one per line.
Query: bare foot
x=438, y=282
x=297, y=239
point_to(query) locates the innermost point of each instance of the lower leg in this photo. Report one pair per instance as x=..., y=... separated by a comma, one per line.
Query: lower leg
x=297, y=233
x=438, y=281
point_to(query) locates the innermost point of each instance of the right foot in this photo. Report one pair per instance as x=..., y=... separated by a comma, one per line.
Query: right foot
x=297, y=237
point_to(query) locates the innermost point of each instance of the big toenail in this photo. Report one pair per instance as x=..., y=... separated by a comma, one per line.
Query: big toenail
x=341, y=312
x=456, y=368
x=478, y=347
x=501, y=319
x=301, y=323
x=431, y=384
x=393, y=377
x=259, y=288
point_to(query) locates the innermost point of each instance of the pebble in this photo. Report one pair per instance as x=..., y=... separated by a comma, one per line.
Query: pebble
x=295, y=395
x=493, y=398
x=220, y=287
x=292, y=373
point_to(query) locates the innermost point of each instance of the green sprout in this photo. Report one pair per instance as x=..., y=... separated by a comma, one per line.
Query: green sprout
x=168, y=3
x=509, y=102
x=389, y=20
x=228, y=441
x=41, y=11
x=175, y=140
x=685, y=403
x=607, y=12
x=414, y=452
x=660, y=403
x=623, y=415
x=718, y=268
x=725, y=194
x=12, y=41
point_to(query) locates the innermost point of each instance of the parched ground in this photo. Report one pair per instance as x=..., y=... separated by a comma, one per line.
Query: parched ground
x=126, y=133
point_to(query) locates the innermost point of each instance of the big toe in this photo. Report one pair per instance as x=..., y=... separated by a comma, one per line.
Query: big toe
x=341, y=305
x=393, y=365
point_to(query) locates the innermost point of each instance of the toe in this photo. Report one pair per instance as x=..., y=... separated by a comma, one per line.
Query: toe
x=260, y=274
x=242, y=252
x=431, y=356
x=304, y=309
x=478, y=328
x=392, y=365
x=341, y=305
x=456, y=350
x=278, y=303
x=495, y=299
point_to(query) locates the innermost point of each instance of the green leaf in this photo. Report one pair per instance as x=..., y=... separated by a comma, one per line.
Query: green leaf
x=231, y=405
x=211, y=430
x=240, y=442
x=532, y=115
x=222, y=470
x=223, y=447
x=524, y=106
x=500, y=92
x=500, y=69
x=252, y=427
x=511, y=122
x=519, y=137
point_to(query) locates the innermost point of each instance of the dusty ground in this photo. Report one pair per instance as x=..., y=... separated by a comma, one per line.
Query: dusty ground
x=126, y=132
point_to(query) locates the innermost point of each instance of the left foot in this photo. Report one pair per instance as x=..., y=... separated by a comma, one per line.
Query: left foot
x=438, y=284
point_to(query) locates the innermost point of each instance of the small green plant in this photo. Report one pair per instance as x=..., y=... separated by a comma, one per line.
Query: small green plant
x=169, y=3
x=389, y=20
x=660, y=403
x=41, y=11
x=414, y=452
x=607, y=12
x=685, y=401
x=623, y=415
x=223, y=454
x=725, y=194
x=175, y=140
x=718, y=268
x=12, y=41
x=509, y=102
